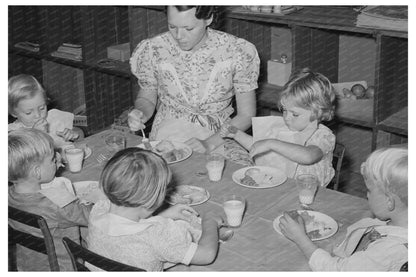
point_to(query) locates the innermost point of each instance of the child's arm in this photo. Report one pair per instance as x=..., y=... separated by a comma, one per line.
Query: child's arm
x=300, y=154
x=295, y=231
x=230, y=131
x=74, y=214
x=208, y=243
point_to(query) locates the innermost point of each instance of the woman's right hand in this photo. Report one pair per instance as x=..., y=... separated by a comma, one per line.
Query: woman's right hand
x=135, y=119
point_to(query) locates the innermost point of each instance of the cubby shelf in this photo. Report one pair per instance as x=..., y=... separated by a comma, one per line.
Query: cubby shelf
x=315, y=43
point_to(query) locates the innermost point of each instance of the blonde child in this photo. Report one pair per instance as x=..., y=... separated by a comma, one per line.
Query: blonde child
x=32, y=164
x=378, y=244
x=306, y=100
x=28, y=104
x=124, y=228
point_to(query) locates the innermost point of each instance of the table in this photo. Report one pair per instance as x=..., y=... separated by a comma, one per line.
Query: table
x=255, y=246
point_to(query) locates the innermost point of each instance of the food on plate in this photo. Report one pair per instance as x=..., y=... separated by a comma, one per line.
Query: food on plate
x=168, y=151
x=254, y=177
x=293, y=214
x=248, y=181
x=186, y=195
x=314, y=228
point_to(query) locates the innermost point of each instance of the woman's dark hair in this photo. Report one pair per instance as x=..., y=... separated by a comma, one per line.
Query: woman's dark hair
x=202, y=12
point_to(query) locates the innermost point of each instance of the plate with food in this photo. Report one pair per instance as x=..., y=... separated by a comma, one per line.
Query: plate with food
x=88, y=191
x=186, y=194
x=318, y=226
x=171, y=151
x=259, y=177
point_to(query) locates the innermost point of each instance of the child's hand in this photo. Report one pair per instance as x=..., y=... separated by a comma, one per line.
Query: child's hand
x=179, y=211
x=41, y=125
x=293, y=229
x=59, y=160
x=135, y=120
x=68, y=134
x=213, y=216
x=259, y=147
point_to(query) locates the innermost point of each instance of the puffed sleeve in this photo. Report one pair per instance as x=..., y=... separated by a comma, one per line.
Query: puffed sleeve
x=247, y=66
x=324, y=139
x=142, y=66
x=174, y=243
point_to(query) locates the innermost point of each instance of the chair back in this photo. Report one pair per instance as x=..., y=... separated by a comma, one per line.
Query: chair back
x=405, y=267
x=79, y=255
x=43, y=245
x=338, y=156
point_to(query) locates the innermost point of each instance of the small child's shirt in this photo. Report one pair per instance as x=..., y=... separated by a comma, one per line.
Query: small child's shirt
x=149, y=244
x=325, y=140
x=386, y=250
x=62, y=222
x=57, y=120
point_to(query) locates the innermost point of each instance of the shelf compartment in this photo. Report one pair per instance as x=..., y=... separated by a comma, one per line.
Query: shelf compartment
x=396, y=123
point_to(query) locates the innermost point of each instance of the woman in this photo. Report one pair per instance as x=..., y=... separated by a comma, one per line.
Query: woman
x=190, y=74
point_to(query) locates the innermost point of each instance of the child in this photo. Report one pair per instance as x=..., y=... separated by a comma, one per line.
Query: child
x=27, y=103
x=124, y=228
x=32, y=164
x=307, y=100
x=371, y=244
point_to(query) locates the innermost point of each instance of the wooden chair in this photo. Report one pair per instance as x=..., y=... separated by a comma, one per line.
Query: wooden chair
x=338, y=156
x=405, y=267
x=79, y=255
x=43, y=245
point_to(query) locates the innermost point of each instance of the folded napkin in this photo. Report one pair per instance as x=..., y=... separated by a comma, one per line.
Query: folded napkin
x=59, y=191
x=58, y=121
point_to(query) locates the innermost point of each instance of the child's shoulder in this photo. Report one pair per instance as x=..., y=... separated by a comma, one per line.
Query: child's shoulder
x=15, y=125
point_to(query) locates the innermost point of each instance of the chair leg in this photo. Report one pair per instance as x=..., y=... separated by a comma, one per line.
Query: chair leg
x=12, y=257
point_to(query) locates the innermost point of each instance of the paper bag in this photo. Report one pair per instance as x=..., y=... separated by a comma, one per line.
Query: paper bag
x=58, y=121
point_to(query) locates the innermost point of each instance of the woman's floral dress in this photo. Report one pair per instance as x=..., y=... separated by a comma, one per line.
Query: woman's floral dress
x=194, y=88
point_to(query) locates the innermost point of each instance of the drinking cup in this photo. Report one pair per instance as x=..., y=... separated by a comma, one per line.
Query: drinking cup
x=116, y=142
x=74, y=158
x=234, y=206
x=307, y=186
x=215, y=165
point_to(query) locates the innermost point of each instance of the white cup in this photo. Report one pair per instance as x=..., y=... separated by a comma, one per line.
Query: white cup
x=215, y=165
x=74, y=158
x=307, y=186
x=234, y=207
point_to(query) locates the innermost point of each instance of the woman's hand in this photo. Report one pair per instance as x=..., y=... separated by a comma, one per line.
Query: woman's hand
x=179, y=211
x=198, y=145
x=68, y=134
x=228, y=131
x=135, y=119
x=293, y=229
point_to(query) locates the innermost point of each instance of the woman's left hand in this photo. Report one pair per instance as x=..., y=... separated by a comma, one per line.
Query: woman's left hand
x=68, y=134
x=198, y=145
x=179, y=211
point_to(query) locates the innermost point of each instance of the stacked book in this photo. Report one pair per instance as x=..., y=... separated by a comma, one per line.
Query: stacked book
x=69, y=51
x=28, y=45
x=384, y=17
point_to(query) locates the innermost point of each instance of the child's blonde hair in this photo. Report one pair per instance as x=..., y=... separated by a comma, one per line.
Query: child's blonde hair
x=21, y=87
x=311, y=91
x=136, y=177
x=27, y=148
x=388, y=169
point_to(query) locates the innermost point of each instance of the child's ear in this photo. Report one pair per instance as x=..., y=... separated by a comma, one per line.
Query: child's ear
x=36, y=172
x=390, y=202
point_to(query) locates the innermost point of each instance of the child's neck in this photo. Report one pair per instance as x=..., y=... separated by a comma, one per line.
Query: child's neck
x=132, y=213
x=400, y=218
x=27, y=186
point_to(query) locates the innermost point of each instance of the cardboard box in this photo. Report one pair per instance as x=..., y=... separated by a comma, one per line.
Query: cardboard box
x=278, y=73
x=119, y=52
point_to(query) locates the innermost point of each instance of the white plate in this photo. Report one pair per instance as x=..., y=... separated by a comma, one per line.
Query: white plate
x=326, y=225
x=88, y=191
x=273, y=176
x=178, y=145
x=184, y=190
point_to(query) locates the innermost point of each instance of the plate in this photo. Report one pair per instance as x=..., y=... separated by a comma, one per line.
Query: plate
x=185, y=150
x=318, y=226
x=88, y=191
x=261, y=177
x=184, y=193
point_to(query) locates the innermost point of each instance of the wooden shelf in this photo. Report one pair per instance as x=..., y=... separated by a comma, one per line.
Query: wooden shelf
x=325, y=17
x=396, y=123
